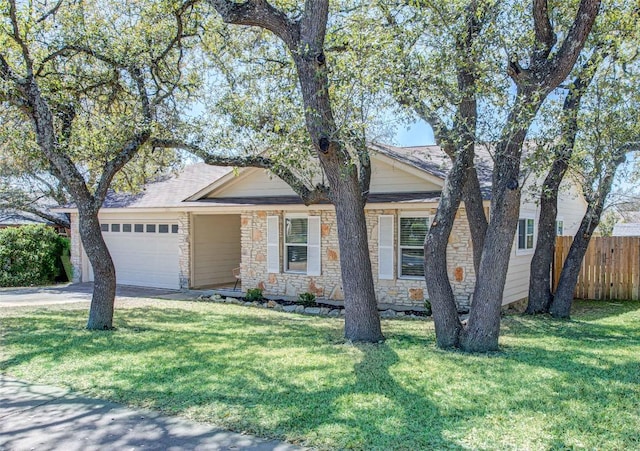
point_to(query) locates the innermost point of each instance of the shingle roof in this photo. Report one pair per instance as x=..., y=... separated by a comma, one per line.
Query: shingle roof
x=434, y=161
x=169, y=191
x=626, y=229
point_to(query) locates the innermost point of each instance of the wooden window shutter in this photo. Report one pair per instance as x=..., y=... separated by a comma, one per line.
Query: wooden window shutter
x=273, y=244
x=385, y=247
x=314, y=263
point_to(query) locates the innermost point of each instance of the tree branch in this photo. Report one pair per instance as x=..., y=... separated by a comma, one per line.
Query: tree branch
x=545, y=37
x=317, y=194
x=51, y=12
x=551, y=73
x=16, y=37
x=259, y=13
x=115, y=164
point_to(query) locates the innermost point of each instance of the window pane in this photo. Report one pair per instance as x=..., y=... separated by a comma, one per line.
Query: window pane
x=559, y=228
x=412, y=262
x=104, y=227
x=174, y=228
x=126, y=227
x=163, y=228
x=138, y=228
x=413, y=231
x=530, y=227
x=151, y=228
x=297, y=258
x=296, y=230
x=521, y=233
x=115, y=227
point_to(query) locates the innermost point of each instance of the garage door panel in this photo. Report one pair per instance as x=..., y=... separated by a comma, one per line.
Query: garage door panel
x=145, y=259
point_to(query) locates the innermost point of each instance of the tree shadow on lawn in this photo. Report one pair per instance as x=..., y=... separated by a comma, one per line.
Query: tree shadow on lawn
x=311, y=386
x=292, y=377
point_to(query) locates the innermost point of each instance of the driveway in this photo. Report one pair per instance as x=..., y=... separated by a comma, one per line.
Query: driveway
x=78, y=292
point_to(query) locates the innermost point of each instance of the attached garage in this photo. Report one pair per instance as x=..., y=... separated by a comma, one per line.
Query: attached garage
x=144, y=252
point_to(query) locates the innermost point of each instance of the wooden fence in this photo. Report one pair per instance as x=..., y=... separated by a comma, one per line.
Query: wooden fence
x=610, y=269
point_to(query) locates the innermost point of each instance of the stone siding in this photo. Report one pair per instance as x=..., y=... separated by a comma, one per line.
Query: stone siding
x=184, y=249
x=399, y=291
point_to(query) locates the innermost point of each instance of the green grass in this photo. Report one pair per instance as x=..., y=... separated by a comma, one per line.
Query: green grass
x=554, y=385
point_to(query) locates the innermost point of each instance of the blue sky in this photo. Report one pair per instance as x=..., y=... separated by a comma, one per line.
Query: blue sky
x=418, y=134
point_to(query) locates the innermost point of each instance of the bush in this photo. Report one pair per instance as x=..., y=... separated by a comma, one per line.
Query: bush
x=254, y=295
x=30, y=255
x=307, y=299
x=427, y=307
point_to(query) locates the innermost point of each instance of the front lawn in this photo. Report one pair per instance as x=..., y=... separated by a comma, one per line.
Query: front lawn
x=555, y=385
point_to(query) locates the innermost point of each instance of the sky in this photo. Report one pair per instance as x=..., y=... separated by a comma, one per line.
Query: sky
x=418, y=134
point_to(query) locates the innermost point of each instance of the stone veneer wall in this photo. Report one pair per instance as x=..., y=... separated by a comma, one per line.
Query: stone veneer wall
x=76, y=249
x=184, y=249
x=328, y=284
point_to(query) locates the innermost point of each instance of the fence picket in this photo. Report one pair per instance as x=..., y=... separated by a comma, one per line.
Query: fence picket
x=610, y=269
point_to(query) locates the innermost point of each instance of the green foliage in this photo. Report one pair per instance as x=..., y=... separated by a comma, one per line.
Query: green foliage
x=427, y=307
x=556, y=385
x=254, y=295
x=307, y=299
x=30, y=255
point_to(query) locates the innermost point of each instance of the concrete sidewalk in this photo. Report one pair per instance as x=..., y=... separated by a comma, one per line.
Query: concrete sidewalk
x=40, y=417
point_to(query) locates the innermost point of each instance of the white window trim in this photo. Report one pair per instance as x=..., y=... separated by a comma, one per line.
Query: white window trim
x=308, y=244
x=408, y=214
x=526, y=251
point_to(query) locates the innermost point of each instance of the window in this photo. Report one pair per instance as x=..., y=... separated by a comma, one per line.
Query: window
x=115, y=227
x=151, y=228
x=104, y=227
x=525, y=234
x=138, y=228
x=295, y=242
x=559, y=228
x=413, y=231
x=163, y=228
x=126, y=227
x=174, y=228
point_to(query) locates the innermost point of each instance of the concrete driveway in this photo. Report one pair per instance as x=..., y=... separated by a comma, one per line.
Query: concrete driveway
x=78, y=292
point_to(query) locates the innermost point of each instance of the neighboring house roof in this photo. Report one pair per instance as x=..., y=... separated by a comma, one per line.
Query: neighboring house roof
x=16, y=218
x=626, y=229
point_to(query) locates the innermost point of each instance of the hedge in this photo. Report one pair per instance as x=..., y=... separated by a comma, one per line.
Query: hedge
x=31, y=255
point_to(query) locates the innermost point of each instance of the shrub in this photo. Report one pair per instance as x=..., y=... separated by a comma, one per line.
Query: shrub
x=307, y=299
x=427, y=307
x=30, y=255
x=254, y=295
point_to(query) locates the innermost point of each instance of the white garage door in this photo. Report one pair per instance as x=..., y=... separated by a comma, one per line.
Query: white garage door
x=144, y=254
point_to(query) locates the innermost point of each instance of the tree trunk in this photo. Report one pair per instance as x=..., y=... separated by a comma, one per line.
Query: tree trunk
x=540, y=280
x=104, y=273
x=563, y=298
x=540, y=296
x=362, y=320
x=445, y=312
x=476, y=217
x=483, y=327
